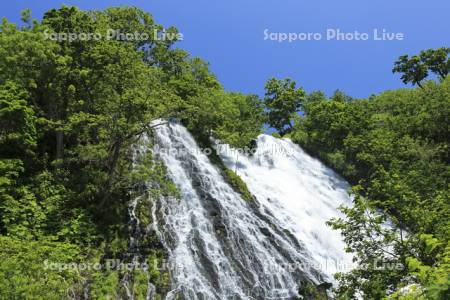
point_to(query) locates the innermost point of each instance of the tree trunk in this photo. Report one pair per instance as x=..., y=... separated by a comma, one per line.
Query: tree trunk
x=111, y=168
x=59, y=146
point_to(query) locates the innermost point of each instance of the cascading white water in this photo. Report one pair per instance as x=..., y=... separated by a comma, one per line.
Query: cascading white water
x=223, y=247
x=299, y=192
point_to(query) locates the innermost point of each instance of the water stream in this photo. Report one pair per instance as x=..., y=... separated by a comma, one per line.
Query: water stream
x=223, y=247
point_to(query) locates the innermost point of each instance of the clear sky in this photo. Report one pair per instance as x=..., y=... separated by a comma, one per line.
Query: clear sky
x=229, y=34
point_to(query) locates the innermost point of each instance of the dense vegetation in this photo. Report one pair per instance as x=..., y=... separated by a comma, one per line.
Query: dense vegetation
x=394, y=149
x=71, y=114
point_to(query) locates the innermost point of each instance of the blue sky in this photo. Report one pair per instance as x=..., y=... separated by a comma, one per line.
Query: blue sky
x=229, y=34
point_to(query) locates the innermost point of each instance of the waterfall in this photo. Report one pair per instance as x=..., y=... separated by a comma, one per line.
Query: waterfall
x=299, y=192
x=223, y=247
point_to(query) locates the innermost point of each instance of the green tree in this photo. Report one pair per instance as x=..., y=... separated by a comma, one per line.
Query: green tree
x=438, y=61
x=415, y=69
x=282, y=101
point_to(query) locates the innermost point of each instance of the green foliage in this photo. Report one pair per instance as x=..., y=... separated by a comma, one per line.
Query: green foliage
x=233, y=118
x=379, y=252
x=282, y=100
x=435, y=278
x=394, y=149
x=242, y=119
x=26, y=269
x=237, y=183
x=104, y=285
x=17, y=122
x=415, y=69
x=308, y=290
x=72, y=114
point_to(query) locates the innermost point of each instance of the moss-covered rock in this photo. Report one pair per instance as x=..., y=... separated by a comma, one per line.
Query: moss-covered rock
x=310, y=291
x=238, y=184
x=228, y=175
